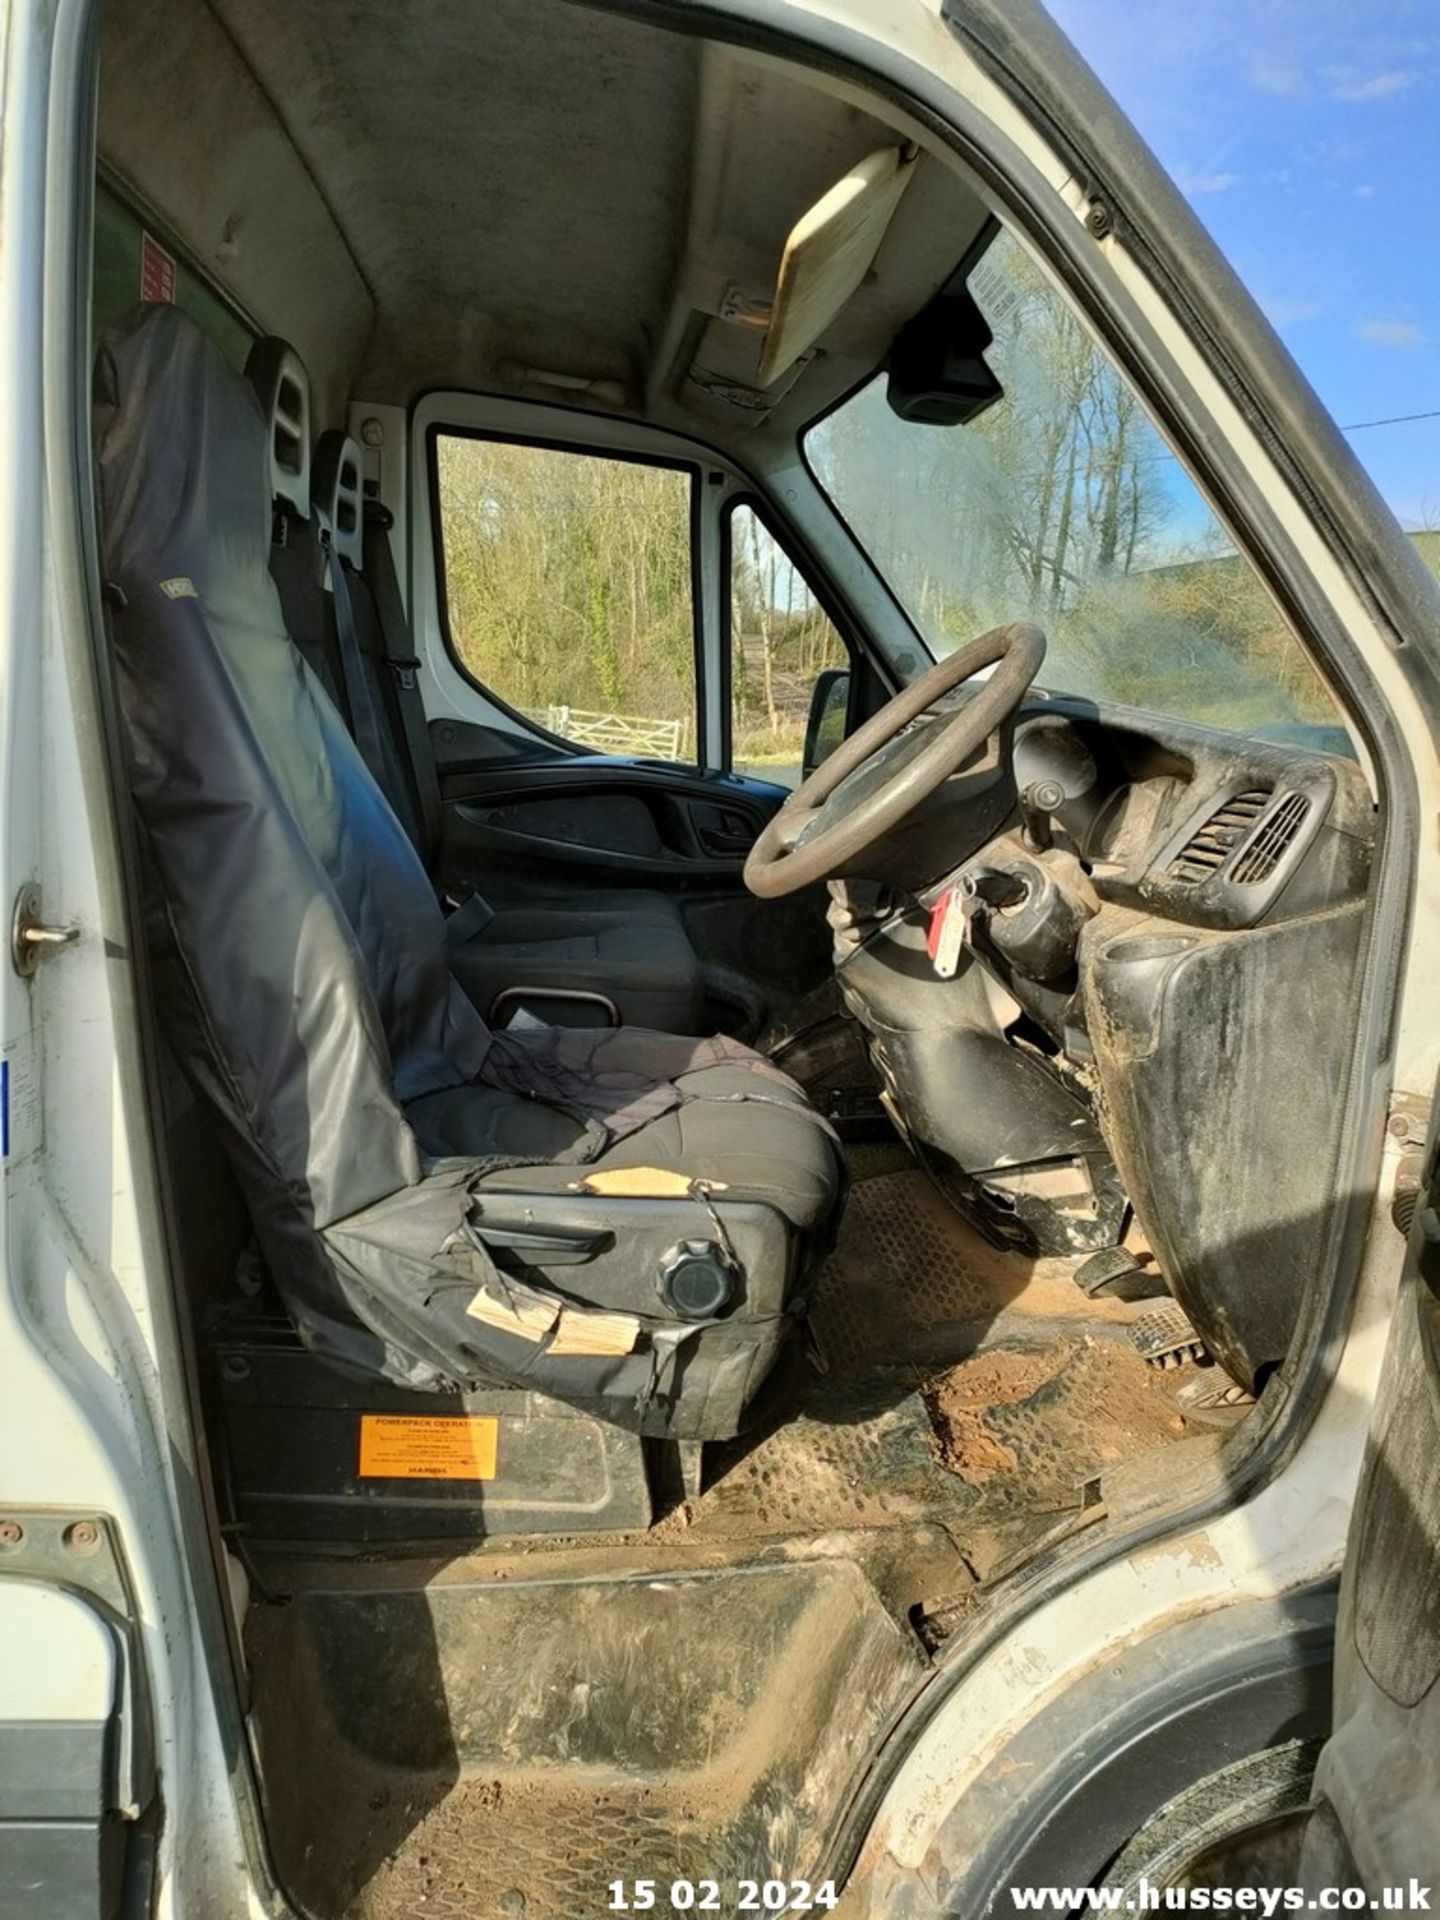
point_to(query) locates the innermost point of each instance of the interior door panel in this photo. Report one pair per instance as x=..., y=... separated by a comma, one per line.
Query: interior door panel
x=554, y=822
x=545, y=825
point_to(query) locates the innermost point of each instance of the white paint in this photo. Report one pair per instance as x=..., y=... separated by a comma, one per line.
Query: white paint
x=57, y=1656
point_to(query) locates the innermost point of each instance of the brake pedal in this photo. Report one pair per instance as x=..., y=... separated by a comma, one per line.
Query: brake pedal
x=1166, y=1336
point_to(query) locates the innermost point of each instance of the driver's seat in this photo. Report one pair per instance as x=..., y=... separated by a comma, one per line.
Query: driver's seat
x=626, y=1220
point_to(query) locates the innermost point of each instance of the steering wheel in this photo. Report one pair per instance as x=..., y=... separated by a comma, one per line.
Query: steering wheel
x=881, y=774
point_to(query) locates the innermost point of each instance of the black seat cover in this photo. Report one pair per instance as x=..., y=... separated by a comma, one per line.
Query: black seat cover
x=303, y=978
x=629, y=945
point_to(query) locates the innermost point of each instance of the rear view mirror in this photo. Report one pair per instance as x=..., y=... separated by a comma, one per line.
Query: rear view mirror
x=938, y=373
x=829, y=711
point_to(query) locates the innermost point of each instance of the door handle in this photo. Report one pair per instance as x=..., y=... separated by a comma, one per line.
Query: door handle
x=738, y=844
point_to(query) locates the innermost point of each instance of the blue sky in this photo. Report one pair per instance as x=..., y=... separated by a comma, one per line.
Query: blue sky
x=1306, y=134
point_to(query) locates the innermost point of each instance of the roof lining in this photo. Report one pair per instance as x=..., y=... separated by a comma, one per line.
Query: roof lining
x=589, y=190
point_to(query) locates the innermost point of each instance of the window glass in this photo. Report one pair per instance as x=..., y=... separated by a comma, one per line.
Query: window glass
x=1061, y=504
x=123, y=253
x=568, y=591
x=781, y=641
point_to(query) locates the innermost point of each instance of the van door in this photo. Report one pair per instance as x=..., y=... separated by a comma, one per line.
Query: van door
x=1378, y=1782
x=622, y=666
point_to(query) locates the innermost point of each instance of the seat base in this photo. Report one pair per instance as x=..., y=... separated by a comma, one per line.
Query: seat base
x=748, y=1137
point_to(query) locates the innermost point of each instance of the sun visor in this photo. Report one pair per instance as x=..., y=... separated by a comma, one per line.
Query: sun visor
x=830, y=250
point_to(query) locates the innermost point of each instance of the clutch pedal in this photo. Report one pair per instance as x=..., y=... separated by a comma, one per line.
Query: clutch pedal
x=1166, y=1336
x=1115, y=1274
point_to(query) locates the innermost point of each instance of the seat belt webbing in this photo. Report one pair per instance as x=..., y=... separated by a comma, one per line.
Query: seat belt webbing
x=470, y=917
x=404, y=666
x=364, y=724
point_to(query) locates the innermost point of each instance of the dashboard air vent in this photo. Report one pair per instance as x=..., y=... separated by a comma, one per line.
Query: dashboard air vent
x=1268, y=848
x=1211, y=845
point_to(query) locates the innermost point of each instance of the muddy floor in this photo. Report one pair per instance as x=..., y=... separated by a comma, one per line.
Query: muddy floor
x=1096, y=1398
x=957, y=1407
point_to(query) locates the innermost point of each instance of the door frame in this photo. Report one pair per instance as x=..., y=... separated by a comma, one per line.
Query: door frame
x=863, y=610
x=450, y=693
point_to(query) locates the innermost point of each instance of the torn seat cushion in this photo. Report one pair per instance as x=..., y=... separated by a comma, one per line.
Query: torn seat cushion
x=766, y=1148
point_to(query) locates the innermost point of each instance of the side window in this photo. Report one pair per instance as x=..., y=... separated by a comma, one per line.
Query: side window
x=568, y=590
x=781, y=643
x=130, y=264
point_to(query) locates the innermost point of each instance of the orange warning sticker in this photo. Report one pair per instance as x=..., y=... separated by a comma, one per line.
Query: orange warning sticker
x=405, y=1447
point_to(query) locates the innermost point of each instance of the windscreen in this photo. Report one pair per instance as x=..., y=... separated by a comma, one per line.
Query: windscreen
x=1062, y=504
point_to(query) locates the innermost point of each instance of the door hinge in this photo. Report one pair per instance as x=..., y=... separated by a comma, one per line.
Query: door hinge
x=31, y=937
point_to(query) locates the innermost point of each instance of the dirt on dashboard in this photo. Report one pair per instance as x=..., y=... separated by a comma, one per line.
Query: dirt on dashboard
x=1057, y=1414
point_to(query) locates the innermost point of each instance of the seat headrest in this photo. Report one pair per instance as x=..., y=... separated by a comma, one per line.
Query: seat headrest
x=278, y=375
x=180, y=435
x=335, y=493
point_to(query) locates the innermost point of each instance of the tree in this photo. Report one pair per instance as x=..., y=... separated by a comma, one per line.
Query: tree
x=1062, y=504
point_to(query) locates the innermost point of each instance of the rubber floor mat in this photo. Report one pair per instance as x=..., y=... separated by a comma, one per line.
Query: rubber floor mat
x=555, y=1844
x=512, y=1748
x=910, y=1280
x=1025, y=1428
x=861, y=1453
x=645, y=1771
x=1016, y=1430
x=508, y=1734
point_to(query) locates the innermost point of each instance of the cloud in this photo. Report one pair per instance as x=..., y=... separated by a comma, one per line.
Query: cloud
x=1283, y=313
x=1390, y=333
x=1287, y=79
x=1218, y=182
x=1379, y=87
x=1282, y=77
x=1363, y=193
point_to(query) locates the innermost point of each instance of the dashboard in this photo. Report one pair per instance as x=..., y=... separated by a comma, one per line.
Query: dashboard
x=1204, y=828
x=1168, y=932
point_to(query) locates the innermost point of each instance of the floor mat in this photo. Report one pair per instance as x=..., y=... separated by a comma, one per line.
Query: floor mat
x=967, y=1402
x=910, y=1280
x=1016, y=1432
x=513, y=1747
x=1027, y=1428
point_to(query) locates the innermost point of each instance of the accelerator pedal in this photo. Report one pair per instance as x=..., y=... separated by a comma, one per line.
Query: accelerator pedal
x=1166, y=1336
x=1211, y=1398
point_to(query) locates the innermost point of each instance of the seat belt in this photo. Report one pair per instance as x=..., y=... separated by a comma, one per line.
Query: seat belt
x=404, y=667
x=364, y=724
